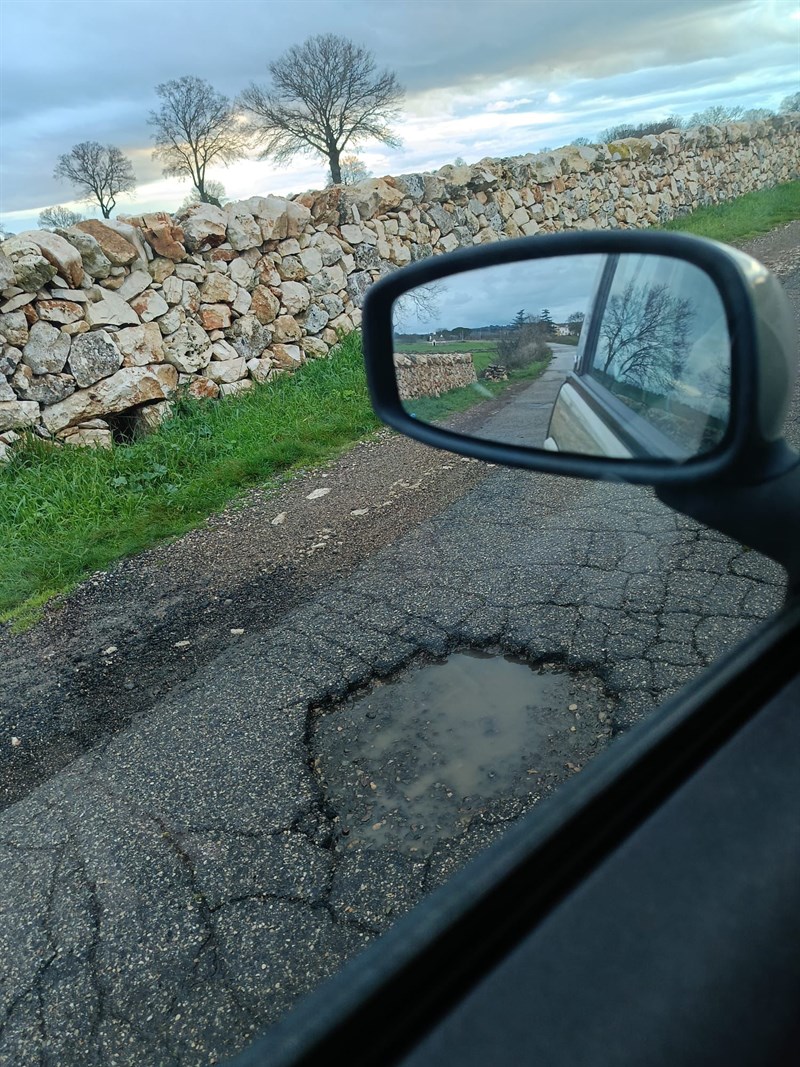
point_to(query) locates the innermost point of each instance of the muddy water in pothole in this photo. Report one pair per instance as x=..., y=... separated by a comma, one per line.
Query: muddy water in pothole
x=414, y=760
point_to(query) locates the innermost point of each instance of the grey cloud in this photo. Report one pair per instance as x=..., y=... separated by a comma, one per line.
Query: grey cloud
x=90, y=70
x=494, y=295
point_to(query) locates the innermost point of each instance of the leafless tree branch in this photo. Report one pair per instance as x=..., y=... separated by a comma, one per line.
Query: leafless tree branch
x=98, y=172
x=58, y=218
x=646, y=331
x=325, y=94
x=194, y=127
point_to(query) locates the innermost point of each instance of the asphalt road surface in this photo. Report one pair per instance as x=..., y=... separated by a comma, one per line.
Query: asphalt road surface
x=523, y=418
x=212, y=805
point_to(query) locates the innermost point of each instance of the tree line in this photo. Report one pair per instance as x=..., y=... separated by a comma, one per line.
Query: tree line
x=324, y=96
x=716, y=115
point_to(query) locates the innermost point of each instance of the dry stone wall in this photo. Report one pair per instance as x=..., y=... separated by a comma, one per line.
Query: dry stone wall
x=108, y=319
x=432, y=374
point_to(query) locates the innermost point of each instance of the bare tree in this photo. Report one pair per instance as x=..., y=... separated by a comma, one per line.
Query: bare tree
x=645, y=333
x=575, y=323
x=639, y=129
x=353, y=170
x=58, y=218
x=98, y=172
x=525, y=344
x=757, y=114
x=215, y=191
x=420, y=304
x=326, y=95
x=790, y=103
x=716, y=115
x=195, y=126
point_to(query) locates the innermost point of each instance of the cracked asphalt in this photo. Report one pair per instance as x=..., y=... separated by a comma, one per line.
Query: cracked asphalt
x=187, y=840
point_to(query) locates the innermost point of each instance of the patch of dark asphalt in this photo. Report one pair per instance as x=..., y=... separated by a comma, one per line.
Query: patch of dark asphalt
x=101, y=693
x=125, y=638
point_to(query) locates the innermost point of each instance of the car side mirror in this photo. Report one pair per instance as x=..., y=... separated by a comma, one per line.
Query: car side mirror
x=637, y=356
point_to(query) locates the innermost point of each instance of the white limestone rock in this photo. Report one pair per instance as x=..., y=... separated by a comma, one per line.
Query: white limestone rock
x=63, y=312
x=59, y=252
x=226, y=371
x=127, y=388
x=295, y=297
x=222, y=350
x=149, y=305
x=93, y=356
x=111, y=310
x=203, y=226
x=95, y=262
x=172, y=290
x=328, y=247
x=311, y=258
x=134, y=284
x=93, y=434
x=243, y=302
x=219, y=289
x=241, y=273
x=243, y=230
x=188, y=348
x=18, y=414
x=140, y=345
x=172, y=321
x=47, y=349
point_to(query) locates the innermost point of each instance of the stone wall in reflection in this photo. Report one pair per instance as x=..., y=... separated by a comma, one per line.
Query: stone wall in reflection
x=432, y=374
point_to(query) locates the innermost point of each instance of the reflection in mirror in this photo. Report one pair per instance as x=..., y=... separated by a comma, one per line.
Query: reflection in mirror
x=623, y=356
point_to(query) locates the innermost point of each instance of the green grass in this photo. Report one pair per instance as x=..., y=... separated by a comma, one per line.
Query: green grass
x=489, y=347
x=66, y=512
x=437, y=408
x=745, y=217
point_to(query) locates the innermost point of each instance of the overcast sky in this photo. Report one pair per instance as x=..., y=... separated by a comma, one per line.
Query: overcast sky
x=493, y=295
x=482, y=77
x=563, y=285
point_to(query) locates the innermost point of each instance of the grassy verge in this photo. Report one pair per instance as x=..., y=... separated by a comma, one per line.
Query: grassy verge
x=488, y=348
x=65, y=512
x=437, y=408
x=745, y=217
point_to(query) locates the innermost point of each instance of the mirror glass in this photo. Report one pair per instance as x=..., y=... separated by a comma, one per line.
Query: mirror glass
x=624, y=356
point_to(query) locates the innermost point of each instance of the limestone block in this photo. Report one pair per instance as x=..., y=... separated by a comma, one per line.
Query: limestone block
x=117, y=249
x=59, y=252
x=93, y=356
x=127, y=388
x=47, y=349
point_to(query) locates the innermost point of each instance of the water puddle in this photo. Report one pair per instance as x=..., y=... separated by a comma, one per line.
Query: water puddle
x=414, y=760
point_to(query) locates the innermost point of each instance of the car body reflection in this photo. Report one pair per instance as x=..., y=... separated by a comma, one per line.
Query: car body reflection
x=652, y=368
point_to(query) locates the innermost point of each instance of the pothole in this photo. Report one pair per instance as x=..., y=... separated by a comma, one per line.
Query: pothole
x=415, y=759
